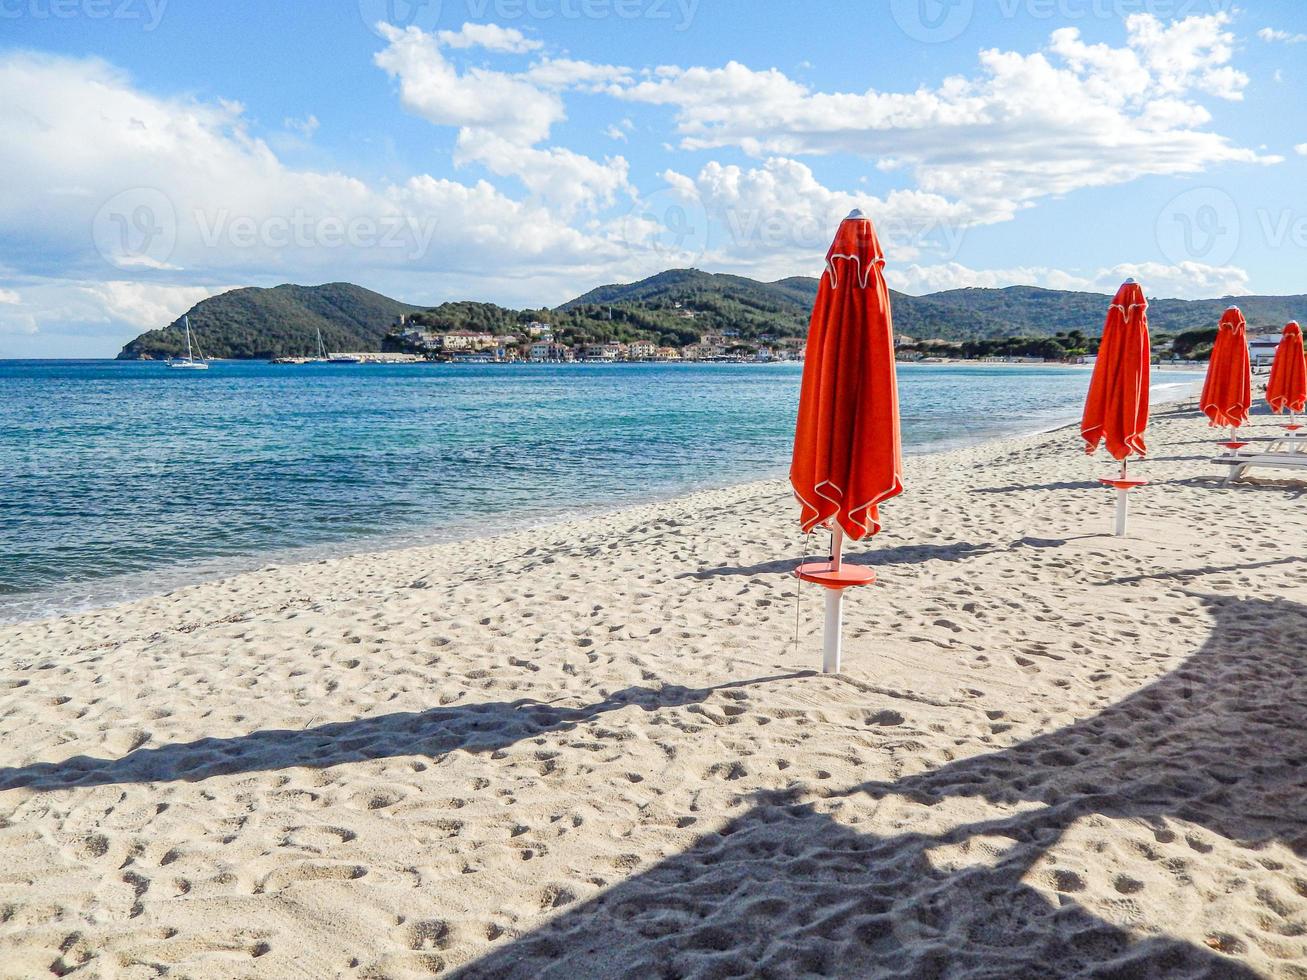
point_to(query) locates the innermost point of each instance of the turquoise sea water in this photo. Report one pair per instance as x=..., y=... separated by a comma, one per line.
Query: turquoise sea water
x=118, y=478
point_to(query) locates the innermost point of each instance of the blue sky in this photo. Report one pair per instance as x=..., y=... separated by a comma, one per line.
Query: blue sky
x=523, y=151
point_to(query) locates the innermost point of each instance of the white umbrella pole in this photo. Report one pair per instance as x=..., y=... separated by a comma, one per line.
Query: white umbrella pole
x=834, y=628
x=1122, y=505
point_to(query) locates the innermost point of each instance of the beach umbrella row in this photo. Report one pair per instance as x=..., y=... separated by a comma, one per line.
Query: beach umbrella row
x=1227, y=391
x=1286, y=391
x=1116, y=409
x=848, y=456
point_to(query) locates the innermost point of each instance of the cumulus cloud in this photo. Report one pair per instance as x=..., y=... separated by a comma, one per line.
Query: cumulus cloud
x=502, y=117
x=919, y=280
x=1189, y=280
x=491, y=37
x=1273, y=36
x=1301, y=149
x=562, y=180
x=306, y=127
x=1026, y=126
x=779, y=213
x=430, y=86
x=92, y=163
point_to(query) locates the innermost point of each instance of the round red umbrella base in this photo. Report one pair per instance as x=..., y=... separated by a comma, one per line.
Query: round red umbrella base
x=823, y=573
x=1117, y=483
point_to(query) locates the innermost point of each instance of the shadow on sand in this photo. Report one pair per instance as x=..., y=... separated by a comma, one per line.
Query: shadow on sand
x=908, y=554
x=1058, y=485
x=784, y=890
x=483, y=727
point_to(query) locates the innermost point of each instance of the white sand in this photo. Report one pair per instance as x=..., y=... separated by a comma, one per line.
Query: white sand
x=592, y=749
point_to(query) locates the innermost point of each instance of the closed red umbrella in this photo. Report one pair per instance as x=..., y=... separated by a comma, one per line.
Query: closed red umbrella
x=1116, y=409
x=847, y=454
x=1228, y=391
x=1286, y=391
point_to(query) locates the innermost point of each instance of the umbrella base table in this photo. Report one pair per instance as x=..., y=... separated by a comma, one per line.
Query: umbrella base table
x=834, y=578
x=826, y=575
x=1122, y=485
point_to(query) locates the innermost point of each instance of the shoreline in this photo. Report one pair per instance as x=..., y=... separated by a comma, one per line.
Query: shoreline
x=92, y=595
x=607, y=735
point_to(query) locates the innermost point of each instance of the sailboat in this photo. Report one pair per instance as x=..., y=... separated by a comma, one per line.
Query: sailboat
x=319, y=358
x=189, y=362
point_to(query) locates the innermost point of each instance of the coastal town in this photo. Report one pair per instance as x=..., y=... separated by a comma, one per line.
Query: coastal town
x=537, y=343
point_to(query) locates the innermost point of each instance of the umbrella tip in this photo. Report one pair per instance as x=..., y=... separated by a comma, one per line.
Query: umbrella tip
x=1132, y=281
x=855, y=214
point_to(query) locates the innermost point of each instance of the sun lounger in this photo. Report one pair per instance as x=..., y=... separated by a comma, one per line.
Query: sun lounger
x=1241, y=463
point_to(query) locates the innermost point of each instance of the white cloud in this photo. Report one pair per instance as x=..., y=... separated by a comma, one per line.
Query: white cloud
x=492, y=37
x=9, y=297
x=1273, y=36
x=1025, y=127
x=306, y=127
x=82, y=143
x=614, y=132
x=918, y=280
x=1189, y=280
x=778, y=216
x=1301, y=149
x=564, y=181
x=507, y=105
x=561, y=73
x=501, y=117
x=118, y=305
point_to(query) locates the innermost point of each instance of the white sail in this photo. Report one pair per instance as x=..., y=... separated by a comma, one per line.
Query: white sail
x=190, y=362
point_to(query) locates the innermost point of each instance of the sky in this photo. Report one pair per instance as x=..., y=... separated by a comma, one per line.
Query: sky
x=157, y=152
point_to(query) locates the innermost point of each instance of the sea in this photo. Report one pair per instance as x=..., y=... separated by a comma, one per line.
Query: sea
x=122, y=479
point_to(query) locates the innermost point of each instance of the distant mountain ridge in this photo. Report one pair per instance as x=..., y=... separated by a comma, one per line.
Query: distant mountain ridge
x=673, y=307
x=283, y=320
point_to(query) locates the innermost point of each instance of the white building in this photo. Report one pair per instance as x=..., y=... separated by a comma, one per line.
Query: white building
x=1261, y=349
x=546, y=350
x=641, y=350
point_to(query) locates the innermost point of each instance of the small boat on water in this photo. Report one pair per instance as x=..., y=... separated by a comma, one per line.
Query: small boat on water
x=319, y=358
x=189, y=362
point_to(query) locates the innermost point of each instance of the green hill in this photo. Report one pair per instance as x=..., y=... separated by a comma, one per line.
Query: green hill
x=673, y=308
x=753, y=308
x=251, y=323
x=1033, y=312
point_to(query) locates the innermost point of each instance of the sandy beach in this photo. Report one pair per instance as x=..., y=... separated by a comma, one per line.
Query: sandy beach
x=595, y=750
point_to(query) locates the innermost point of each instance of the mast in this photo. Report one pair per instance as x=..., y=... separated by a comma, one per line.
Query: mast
x=186, y=321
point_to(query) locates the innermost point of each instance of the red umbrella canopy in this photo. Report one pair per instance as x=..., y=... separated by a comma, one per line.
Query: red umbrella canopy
x=1228, y=391
x=1116, y=411
x=847, y=454
x=1287, y=388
